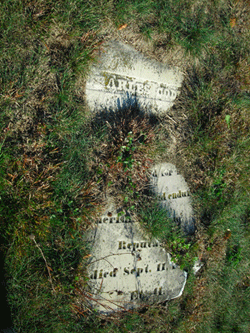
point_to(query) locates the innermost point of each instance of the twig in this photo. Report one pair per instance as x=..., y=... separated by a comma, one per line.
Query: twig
x=32, y=237
x=110, y=255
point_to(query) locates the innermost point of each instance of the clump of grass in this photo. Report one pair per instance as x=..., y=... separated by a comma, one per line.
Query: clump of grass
x=160, y=225
x=123, y=160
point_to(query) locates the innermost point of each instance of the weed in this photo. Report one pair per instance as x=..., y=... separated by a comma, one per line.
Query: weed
x=159, y=225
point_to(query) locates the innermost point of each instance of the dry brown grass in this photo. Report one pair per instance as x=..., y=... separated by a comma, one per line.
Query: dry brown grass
x=123, y=160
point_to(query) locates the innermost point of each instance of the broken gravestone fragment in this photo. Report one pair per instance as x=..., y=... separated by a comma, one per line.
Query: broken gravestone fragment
x=174, y=195
x=127, y=269
x=122, y=76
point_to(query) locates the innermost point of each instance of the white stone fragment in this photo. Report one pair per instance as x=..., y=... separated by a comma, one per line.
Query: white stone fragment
x=174, y=194
x=127, y=269
x=122, y=75
x=197, y=266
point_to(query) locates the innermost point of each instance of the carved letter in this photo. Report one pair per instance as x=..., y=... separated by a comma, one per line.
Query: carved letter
x=121, y=219
x=112, y=219
x=159, y=91
x=122, y=84
x=126, y=271
x=169, y=196
x=134, y=295
x=139, y=271
x=113, y=273
x=173, y=93
x=174, y=196
x=111, y=83
x=154, y=174
x=131, y=86
x=139, y=88
x=147, y=88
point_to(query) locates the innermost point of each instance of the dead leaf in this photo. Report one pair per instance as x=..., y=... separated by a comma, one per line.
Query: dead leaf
x=232, y=22
x=85, y=37
x=227, y=234
x=123, y=26
x=46, y=46
x=18, y=95
x=87, y=256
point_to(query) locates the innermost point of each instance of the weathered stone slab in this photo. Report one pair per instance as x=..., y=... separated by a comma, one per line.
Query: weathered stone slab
x=127, y=269
x=174, y=195
x=122, y=75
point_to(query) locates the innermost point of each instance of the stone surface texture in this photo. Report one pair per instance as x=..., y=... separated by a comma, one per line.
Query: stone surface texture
x=123, y=75
x=174, y=195
x=127, y=269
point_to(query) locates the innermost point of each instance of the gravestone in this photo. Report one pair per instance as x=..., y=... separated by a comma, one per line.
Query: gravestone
x=174, y=195
x=123, y=75
x=126, y=268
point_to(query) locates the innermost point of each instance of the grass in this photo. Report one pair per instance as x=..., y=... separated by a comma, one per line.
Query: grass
x=56, y=162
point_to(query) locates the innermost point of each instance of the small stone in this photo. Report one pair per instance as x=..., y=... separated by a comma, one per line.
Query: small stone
x=197, y=266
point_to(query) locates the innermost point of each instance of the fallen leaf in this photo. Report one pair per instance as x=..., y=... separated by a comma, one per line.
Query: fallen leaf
x=85, y=37
x=46, y=46
x=227, y=234
x=18, y=95
x=87, y=256
x=232, y=22
x=123, y=26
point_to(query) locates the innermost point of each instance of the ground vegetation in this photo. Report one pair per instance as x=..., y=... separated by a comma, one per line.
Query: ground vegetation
x=58, y=162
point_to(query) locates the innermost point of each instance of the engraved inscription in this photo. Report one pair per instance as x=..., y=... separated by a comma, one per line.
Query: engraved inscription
x=148, y=89
x=136, y=295
x=137, y=271
x=115, y=219
x=126, y=266
x=166, y=172
x=101, y=274
x=136, y=245
x=177, y=195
